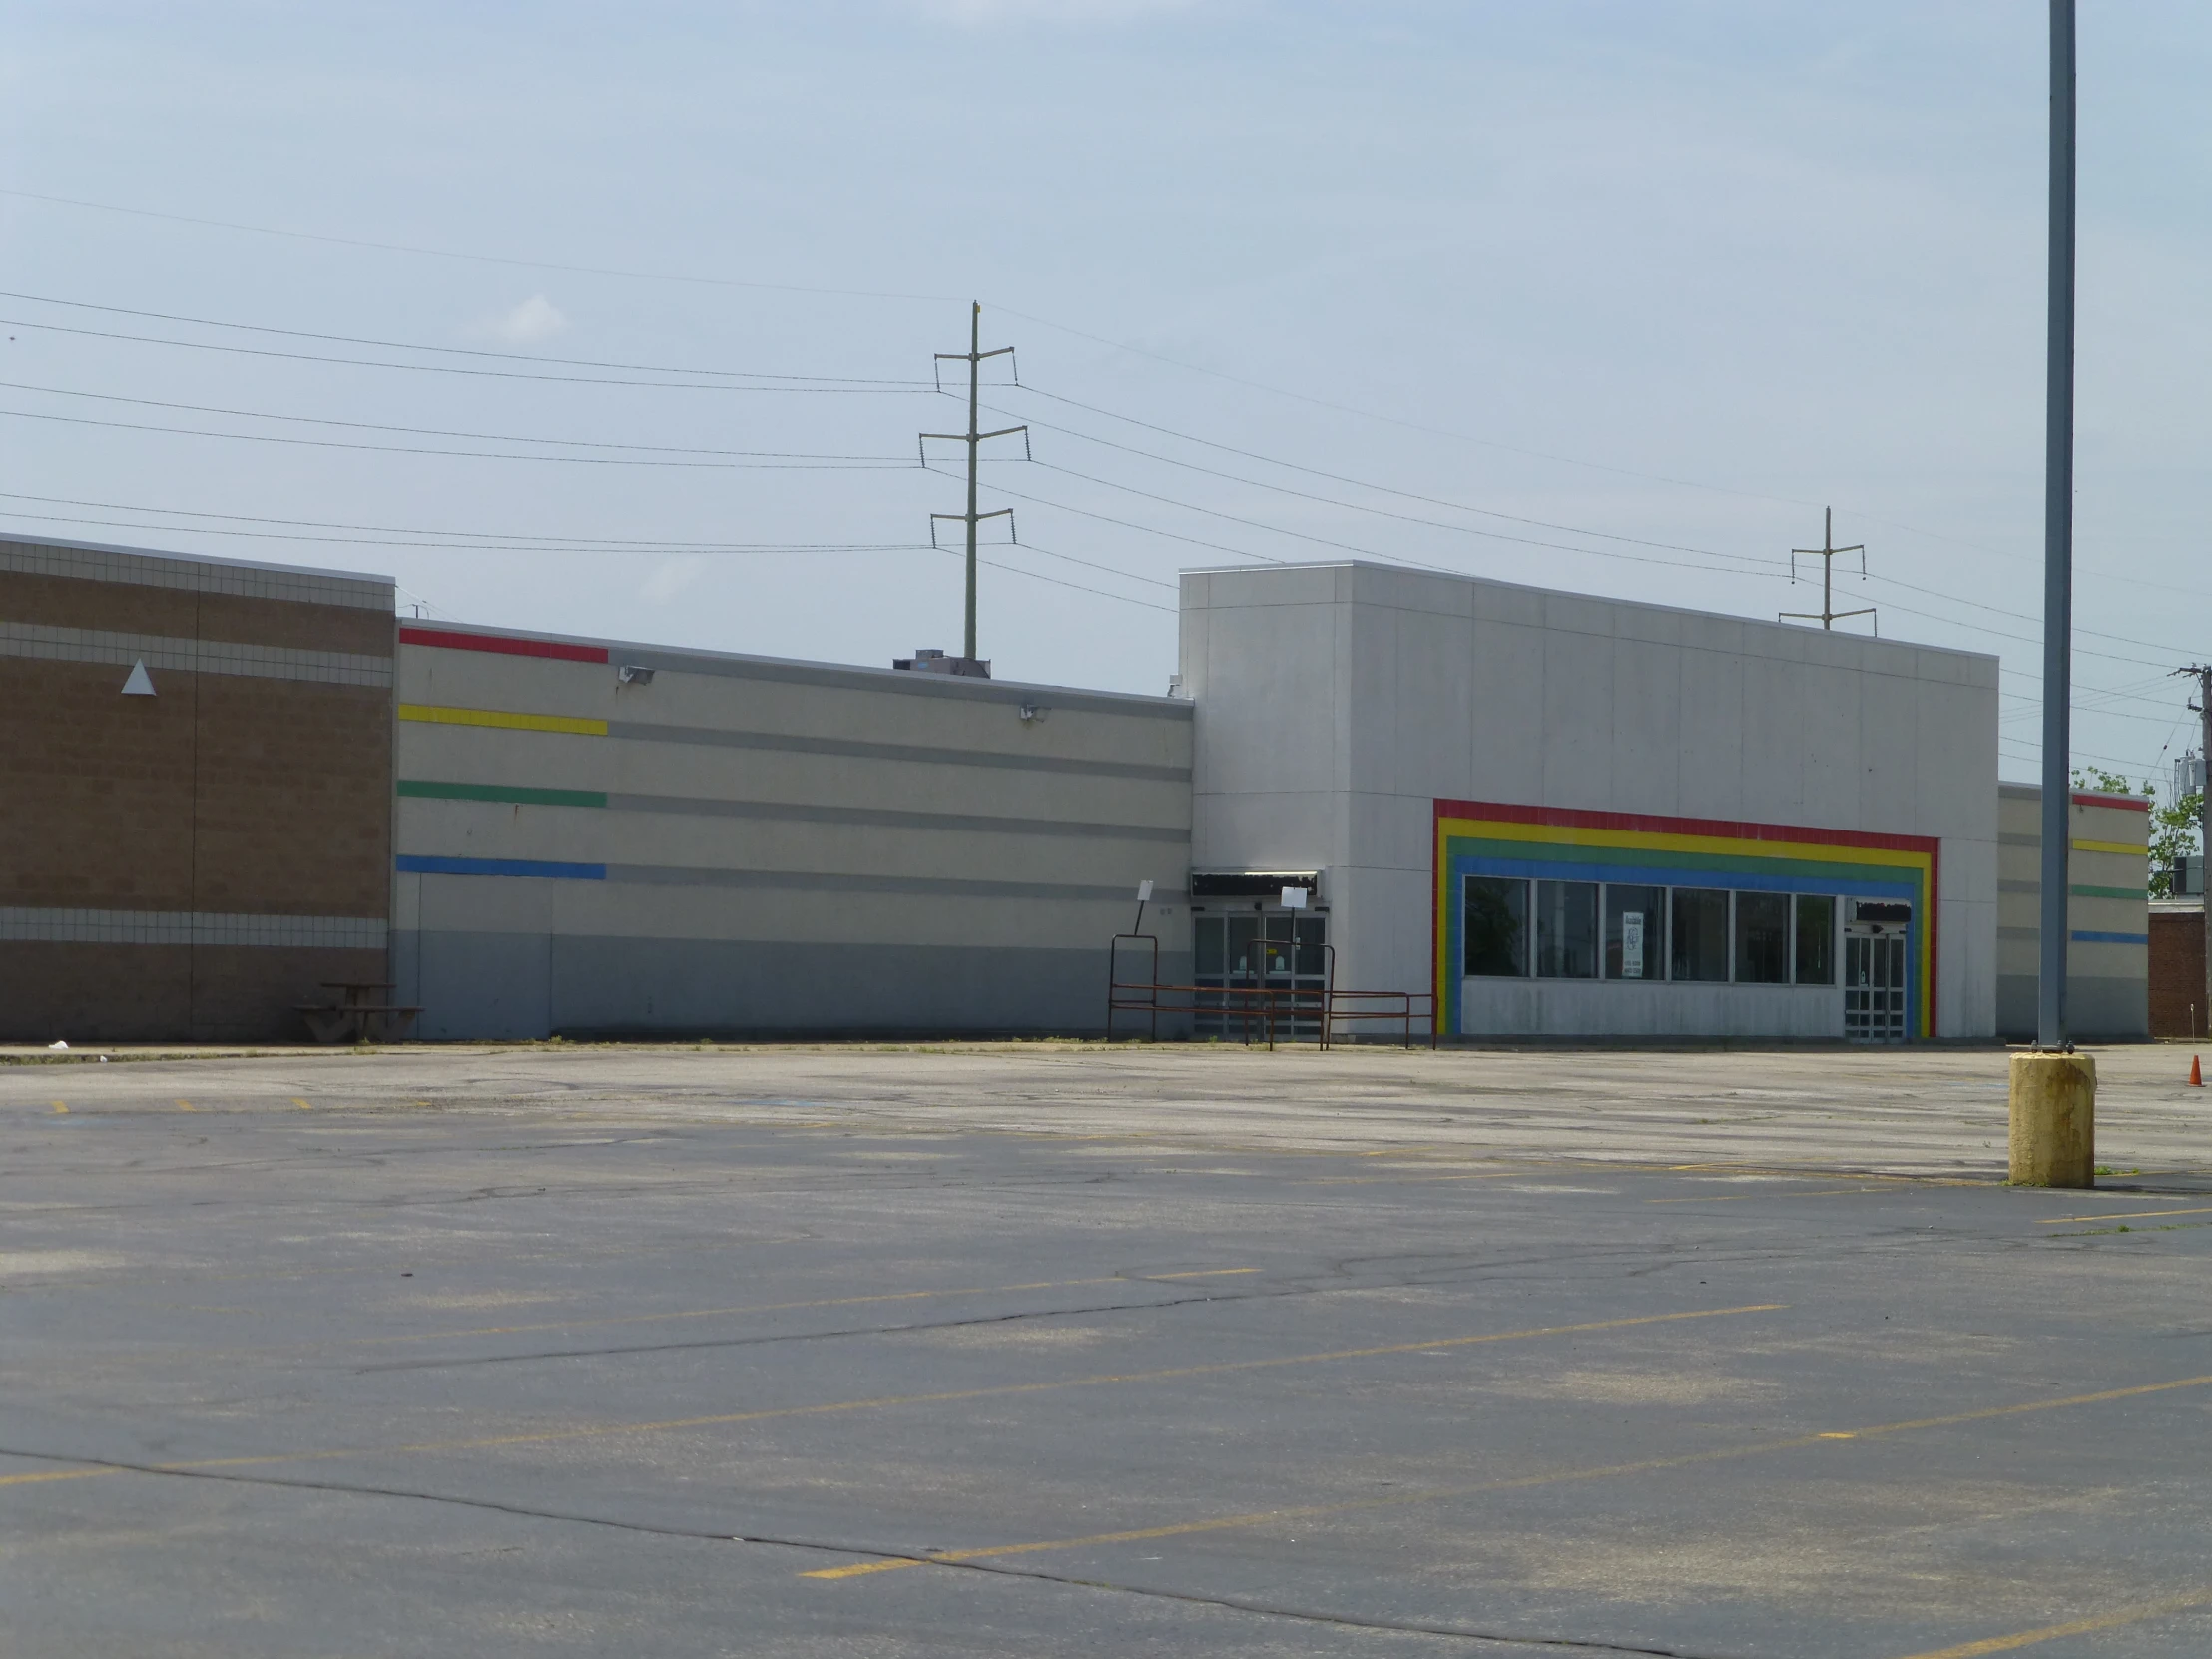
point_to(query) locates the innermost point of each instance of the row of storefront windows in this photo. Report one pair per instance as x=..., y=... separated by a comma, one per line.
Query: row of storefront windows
x=1518, y=928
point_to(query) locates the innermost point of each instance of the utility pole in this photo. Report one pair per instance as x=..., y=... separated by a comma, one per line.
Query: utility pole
x=1828, y=616
x=2203, y=708
x=973, y=357
x=2058, y=464
x=2052, y=1136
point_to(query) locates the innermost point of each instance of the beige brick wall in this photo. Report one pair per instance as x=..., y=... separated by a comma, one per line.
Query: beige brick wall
x=233, y=793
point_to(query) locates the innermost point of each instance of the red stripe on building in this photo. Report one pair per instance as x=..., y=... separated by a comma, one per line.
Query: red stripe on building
x=1652, y=824
x=2125, y=803
x=503, y=645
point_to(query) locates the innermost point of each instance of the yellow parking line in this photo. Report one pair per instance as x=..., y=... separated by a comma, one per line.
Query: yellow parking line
x=59, y=1107
x=2078, y=1627
x=2131, y=1215
x=302, y=1104
x=185, y=1106
x=834, y=1407
x=898, y=1563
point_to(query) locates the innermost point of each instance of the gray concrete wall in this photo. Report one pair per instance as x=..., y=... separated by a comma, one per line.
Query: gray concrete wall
x=1338, y=703
x=752, y=846
x=2107, y=915
x=529, y=986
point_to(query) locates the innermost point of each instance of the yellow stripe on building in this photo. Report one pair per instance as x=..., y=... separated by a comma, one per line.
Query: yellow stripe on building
x=435, y=715
x=2120, y=848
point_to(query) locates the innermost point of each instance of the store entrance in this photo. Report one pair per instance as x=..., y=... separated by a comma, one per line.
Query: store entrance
x=1874, y=978
x=1258, y=949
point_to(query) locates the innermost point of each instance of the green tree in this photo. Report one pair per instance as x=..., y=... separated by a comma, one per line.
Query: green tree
x=2173, y=827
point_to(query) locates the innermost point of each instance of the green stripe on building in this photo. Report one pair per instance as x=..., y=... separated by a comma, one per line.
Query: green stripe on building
x=2109, y=893
x=500, y=792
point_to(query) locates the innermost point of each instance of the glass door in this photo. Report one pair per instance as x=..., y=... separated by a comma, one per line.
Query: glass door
x=1245, y=951
x=1874, y=987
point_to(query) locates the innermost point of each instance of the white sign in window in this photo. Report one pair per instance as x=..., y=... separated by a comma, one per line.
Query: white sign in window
x=1632, y=944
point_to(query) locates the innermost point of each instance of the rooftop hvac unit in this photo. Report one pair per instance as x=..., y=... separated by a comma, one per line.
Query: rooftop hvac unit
x=936, y=662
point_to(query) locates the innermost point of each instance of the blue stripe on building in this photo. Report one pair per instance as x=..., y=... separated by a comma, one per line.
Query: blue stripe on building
x=2084, y=937
x=413, y=863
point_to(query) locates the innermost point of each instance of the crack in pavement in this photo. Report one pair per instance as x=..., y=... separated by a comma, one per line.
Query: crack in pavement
x=1260, y=1609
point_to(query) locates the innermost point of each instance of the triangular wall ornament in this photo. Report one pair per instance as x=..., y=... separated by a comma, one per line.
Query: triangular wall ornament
x=141, y=683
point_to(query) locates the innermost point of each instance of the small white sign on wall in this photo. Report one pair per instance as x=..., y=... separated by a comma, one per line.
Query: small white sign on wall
x=1294, y=899
x=1632, y=944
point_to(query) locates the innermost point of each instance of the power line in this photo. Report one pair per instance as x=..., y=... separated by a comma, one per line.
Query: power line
x=465, y=454
x=888, y=389
x=518, y=546
x=439, y=432
x=1340, y=478
x=594, y=542
x=458, y=351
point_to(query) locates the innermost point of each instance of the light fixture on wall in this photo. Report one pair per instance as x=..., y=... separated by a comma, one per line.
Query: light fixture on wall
x=137, y=683
x=1033, y=712
x=631, y=674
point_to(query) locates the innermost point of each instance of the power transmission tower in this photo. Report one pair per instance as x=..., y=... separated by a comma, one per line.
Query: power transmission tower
x=2203, y=709
x=1828, y=616
x=973, y=357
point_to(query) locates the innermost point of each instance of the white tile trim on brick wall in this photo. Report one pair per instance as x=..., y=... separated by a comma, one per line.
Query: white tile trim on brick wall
x=160, y=651
x=72, y=926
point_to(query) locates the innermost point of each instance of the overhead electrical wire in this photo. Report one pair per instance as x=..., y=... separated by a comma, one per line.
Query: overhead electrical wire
x=1459, y=506
x=523, y=545
x=1338, y=478
x=441, y=432
x=921, y=388
x=460, y=536
x=1025, y=317
x=464, y=351
x=894, y=465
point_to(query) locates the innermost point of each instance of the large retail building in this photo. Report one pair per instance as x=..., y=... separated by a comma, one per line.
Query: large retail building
x=1560, y=816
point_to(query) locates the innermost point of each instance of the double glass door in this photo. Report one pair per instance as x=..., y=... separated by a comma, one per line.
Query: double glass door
x=1874, y=987
x=1251, y=950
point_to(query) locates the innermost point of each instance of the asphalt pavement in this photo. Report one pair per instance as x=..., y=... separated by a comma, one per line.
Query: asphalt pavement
x=1039, y=1350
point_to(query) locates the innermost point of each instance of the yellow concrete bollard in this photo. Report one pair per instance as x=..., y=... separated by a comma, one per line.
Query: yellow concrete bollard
x=2055, y=1120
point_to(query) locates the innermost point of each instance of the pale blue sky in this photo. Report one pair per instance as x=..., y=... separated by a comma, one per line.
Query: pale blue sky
x=1672, y=271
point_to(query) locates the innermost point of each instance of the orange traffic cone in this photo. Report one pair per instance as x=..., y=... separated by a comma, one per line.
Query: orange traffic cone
x=2196, y=1073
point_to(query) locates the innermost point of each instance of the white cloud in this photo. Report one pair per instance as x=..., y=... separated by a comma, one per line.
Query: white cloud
x=673, y=578
x=536, y=319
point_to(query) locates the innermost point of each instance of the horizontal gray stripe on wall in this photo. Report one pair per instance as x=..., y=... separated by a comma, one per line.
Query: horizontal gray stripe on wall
x=791, y=744
x=927, y=886
x=1011, y=694
x=197, y=928
x=88, y=561
x=889, y=817
x=2019, y=840
x=165, y=654
x=2019, y=932
x=2019, y=886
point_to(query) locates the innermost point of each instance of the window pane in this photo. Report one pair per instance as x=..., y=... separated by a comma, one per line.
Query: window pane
x=1816, y=940
x=1205, y=940
x=1566, y=929
x=1762, y=938
x=1497, y=942
x=1244, y=959
x=1700, y=934
x=1635, y=932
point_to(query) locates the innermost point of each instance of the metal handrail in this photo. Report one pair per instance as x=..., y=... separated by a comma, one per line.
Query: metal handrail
x=1262, y=1003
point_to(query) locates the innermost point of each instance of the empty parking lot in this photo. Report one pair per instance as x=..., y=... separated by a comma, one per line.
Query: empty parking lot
x=1038, y=1349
